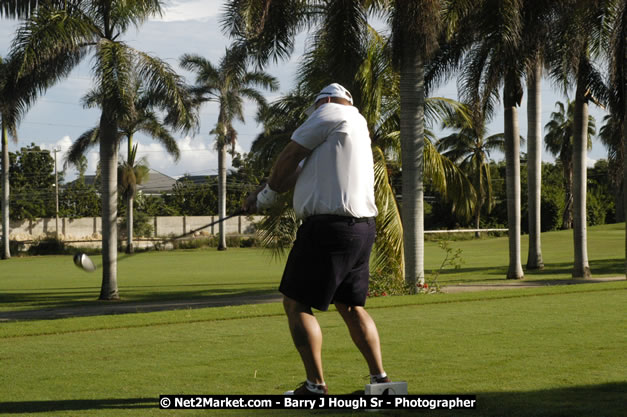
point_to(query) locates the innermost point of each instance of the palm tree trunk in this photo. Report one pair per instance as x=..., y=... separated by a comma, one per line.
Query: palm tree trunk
x=534, y=166
x=412, y=94
x=222, y=192
x=512, y=175
x=129, y=202
x=581, y=269
x=6, y=251
x=567, y=216
x=625, y=156
x=129, y=224
x=109, y=178
x=479, y=189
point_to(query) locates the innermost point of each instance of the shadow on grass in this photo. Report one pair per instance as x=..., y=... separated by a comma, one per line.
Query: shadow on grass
x=590, y=400
x=20, y=407
x=43, y=306
x=599, y=267
x=603, y=400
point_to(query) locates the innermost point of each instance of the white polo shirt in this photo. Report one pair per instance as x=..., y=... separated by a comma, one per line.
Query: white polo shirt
x=338, y=176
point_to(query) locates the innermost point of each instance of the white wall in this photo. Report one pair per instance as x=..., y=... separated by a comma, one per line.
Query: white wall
x=90, y=228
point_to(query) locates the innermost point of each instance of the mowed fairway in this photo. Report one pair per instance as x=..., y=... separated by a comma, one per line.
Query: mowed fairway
x=548, y=351
x=54, y=281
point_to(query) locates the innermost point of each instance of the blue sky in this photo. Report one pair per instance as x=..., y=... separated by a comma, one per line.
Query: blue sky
x=191, y=26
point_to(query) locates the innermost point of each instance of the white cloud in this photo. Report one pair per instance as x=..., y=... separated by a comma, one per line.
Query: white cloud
x=198, y=157
x=181, y=10
x=590, y=162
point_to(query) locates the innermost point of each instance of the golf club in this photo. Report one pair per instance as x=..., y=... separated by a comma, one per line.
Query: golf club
x=82, y=261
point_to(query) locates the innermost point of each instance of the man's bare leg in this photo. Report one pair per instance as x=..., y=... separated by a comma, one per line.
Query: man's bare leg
x=365, y=335
x=307, y=337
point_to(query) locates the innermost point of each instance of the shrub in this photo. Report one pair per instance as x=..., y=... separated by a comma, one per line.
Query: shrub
x=597, y=208
x=48, y=246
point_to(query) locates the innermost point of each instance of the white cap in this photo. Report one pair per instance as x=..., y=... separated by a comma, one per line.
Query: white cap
x=331, y=90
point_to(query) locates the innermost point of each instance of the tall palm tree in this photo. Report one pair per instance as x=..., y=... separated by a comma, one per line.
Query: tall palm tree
x=559, y=142
x=497, y=60
x=59, y=39
x=25, y=89
x=131, y=173
x=611, y=135
x=534, y=164
x=616, y=52
x=470, y=149
x=577, y=36
x=141, y=119
x=538, y=16
x=228, y=85
x=17, y=94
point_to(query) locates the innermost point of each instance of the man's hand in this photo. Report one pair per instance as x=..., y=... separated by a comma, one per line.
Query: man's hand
x=249, y=205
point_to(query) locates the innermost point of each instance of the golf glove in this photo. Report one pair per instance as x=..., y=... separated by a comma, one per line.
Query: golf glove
x=266, y=198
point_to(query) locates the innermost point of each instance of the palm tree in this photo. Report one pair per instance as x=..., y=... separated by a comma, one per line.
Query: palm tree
x=578, y=34
x=131, y=173
x=611, y=135
x=17, y=94
x=616, y=52
x=559, y=142
x=143, y=119
x=25, y=96
x=59, y=39
x=495, y=60
x=228, y=85
x=534, y=164
x=537, y=19
x=470, y=149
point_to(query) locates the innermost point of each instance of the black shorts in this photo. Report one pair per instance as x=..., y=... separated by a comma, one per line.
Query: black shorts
x=329, y=262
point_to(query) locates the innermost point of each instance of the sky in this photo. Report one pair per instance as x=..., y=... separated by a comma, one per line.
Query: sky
x=192, y=26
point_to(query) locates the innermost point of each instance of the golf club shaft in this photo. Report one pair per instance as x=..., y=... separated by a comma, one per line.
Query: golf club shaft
x=198, y=229
x=172, y=239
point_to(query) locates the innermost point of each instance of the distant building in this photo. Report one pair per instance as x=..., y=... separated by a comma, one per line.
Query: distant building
x=156, y=183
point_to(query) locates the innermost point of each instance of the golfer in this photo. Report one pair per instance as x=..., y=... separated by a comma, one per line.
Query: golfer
x=329, y=164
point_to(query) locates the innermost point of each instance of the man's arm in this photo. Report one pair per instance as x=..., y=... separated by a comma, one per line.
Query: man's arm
x=284, y=173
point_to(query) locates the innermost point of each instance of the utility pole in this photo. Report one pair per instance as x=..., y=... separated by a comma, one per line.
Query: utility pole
x=56, y=192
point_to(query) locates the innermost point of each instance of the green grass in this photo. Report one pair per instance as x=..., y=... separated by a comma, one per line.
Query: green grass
x=54, y=281
x=486, y=260
x=550, y=351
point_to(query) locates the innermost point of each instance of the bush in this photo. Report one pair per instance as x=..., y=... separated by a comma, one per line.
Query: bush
x=381, y=285
x=551, y=209
x=212, y=242
x=142, y=226
x=48, y=246
x=598, y=206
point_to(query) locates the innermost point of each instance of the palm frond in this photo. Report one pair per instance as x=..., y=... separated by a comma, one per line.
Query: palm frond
x=156, y=130
x=388, y=254
x=277, y=231
x=85, y=141
x=265, y=33
x=169, y=87
x=21, y=9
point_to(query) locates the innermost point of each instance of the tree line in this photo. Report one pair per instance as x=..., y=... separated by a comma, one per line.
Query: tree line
x=32, y=182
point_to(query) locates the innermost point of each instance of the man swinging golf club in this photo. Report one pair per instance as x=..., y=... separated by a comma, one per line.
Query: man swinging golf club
x=329, y=262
